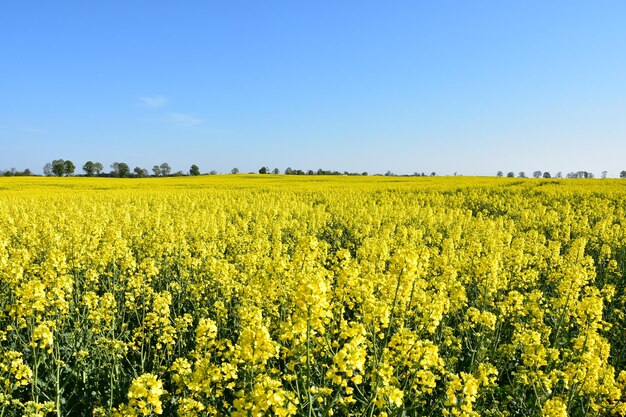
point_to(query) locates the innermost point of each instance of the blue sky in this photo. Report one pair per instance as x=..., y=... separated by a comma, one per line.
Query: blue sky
x=446, y=86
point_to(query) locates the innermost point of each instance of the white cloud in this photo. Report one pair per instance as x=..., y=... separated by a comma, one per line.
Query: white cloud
x=153, y=102
x=29, y=129
x=183, y=119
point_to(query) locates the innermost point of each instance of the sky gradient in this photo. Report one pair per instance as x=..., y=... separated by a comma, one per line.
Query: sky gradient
x=446, y=86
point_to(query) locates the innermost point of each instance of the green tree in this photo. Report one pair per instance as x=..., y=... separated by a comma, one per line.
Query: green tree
x=165, y=169
x=510, y=175
x=120, y=169
x=264, y=170
x=90, y=168
x=194, y=170
x=234, y=171
x=140, y=172
x=622, y=174
x=157, y=170
x=69, y=168
x=58, y=167
x=500, y=174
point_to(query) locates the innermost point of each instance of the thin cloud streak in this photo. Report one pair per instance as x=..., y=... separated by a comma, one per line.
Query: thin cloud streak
x=30, y=130
x=153, y=102
x=183, y=119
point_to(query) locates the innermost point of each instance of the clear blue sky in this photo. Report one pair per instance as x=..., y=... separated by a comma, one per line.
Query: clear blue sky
x=471, y=87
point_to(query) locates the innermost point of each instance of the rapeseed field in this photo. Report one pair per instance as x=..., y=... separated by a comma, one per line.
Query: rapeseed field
x=268, y=295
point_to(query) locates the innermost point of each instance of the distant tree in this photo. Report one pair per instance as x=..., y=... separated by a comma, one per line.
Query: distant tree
x=212, y=172
x=510, y=175
x=178, y=174
x=69, y=168
x=120, y=169
x=90, y=168
x=537, y=174
x=157, y=170
x=140, y=172
x=27, y=172
x=310, y=172
x=288, y=171
x=604, y=174
x=47, y=169
x=234, y=171
x=194, y=170
x=622, y=174
x=432, y=174
x=388, y=174
x=264, y=170
x=546, y=174
x=165, y=169
x=58, y=167
x=364, y=173
x=559, y=175
x=522, y=174
x=500, y=174
x=276, y=171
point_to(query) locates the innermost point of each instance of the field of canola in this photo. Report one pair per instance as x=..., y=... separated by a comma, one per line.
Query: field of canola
x=312, y=296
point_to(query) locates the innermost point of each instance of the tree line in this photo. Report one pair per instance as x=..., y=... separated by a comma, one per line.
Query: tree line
x=546, y=174
x=60, y=168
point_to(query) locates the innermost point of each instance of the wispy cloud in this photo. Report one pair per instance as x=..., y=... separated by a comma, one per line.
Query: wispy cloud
x=29, y=129
x=183, y=119
x=153, y=102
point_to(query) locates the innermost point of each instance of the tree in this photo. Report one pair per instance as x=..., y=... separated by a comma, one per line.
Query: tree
x=264, y=170
x=157, y=170
x=89, y=168
x=522, y=174
x=58, y=167
x=212, y=172
x=276, y=171
x=500, y=174
x=140, y=172
x=546, y=174
x=604, y=174
x=47, y=169
x=69, y=168
x=234, y=171
x=288, y=171
x=432, y=174
x=537, y=174
x=622, y=174
x=165, y=169
x=510, y=175
x=120, y=169
x=194, y=170
x=559, y=175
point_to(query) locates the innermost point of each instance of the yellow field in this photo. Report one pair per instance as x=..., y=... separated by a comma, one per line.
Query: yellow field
x=312, y=296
